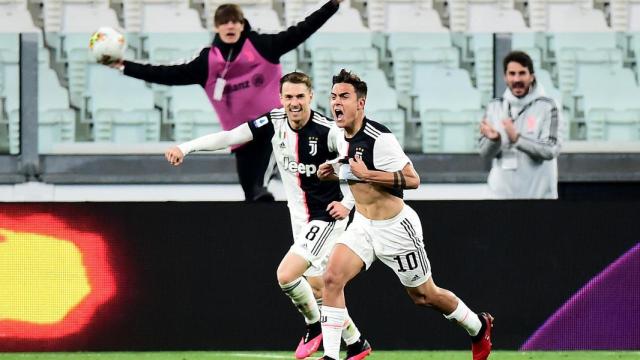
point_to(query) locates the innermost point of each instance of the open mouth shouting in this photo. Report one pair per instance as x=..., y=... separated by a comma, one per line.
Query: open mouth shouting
x=339, y=114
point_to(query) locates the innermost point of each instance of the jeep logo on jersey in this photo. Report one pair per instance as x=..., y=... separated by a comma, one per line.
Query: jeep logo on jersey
x=299, y=168
x=313, y=145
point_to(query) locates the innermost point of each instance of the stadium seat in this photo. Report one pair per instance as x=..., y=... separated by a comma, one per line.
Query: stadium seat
x=122, y=108
x=612, y=118
x=564, y=15
x=577, y=50
x=16, y=17
x=296, y=10
x=56, y=121
x=411, y=50
x=382, y=103
x=403, y=15
x=477, y=41
x=259, y=12
x=625, y=15
x=263, y=19
x=450, y=109
x=331, y=48
x=192, y=113
x=62, y=17
x=10, y=96
x=156, y=15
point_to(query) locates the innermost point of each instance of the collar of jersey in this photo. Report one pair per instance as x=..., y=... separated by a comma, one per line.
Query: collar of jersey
x=364, y=123
x=305, y=125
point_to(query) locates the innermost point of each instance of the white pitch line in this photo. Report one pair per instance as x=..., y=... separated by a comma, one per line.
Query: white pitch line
x=262, y=356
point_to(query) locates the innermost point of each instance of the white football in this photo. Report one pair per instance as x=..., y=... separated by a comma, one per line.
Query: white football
x=107, y=45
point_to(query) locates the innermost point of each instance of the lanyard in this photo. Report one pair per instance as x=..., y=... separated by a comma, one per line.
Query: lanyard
x=227, y=64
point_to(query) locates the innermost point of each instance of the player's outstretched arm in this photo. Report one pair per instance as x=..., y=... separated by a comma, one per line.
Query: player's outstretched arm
x=216, y=141
x=407, y=178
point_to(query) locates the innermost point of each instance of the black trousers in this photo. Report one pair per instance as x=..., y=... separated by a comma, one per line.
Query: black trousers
x=252, y=163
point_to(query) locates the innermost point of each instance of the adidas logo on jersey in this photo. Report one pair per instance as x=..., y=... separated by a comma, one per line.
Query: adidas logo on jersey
x=300, y=168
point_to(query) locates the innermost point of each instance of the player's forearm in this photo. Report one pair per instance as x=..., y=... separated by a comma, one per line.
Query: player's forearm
x=405, y=179
x=219, y=140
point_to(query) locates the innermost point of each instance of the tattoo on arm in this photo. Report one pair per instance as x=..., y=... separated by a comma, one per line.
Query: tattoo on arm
x=403, y=182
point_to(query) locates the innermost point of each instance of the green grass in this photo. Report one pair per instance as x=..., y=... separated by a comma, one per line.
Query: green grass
x=376, y=355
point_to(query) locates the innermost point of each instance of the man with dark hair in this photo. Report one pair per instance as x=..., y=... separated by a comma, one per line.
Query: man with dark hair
x=300, y=138
x=520, y=132
x=239, y=73
x=384, y=227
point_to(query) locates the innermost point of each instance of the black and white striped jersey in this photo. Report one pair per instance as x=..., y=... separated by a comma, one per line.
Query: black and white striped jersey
x=376, y=146
x=298, y=154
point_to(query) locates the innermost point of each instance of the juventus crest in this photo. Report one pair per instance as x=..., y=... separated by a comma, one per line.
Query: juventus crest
x=358, y=154
x=313, y=146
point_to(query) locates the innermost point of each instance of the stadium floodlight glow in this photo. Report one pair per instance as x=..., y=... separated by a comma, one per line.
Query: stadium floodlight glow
x=53, y=277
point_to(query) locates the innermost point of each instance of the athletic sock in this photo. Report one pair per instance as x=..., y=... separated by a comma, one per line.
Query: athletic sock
x=465, y=318
x=332, y=323
x=300, y=293
x=350, y=332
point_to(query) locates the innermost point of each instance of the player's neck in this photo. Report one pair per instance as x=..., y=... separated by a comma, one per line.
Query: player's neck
x=306, y=116
x=357, y=125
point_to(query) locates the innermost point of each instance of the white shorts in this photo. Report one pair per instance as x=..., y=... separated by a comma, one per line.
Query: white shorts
x=315, y=241
x=397, y=242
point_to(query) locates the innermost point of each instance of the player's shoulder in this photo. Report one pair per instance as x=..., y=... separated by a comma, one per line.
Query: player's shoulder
x=277, y=113
x=277, y=116
x=374, y=129
x=322, y=120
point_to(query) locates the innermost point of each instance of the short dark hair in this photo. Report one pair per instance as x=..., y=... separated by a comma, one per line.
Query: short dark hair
x=520, y=57
x=348, y=77
x=228, y=12
x=296, y=77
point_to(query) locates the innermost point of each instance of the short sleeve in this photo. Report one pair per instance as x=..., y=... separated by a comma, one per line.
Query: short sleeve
x=333, y=139
x=262, y=127
x=388, y=154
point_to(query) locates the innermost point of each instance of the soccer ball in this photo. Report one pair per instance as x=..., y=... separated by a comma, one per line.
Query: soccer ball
x=107, y=45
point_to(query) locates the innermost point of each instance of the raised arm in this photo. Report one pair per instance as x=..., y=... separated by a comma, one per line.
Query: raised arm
x=273, y=46
x=194, y=71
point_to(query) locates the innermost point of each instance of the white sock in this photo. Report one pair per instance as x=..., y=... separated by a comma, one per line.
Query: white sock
x=350, y=332
x=332, y=321
x=300, y=293
x=465, y=318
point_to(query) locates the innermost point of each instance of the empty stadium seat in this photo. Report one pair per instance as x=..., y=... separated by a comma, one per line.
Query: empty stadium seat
x=331, y=48
x=612, y=118
x=382, y=103
x=403, y=15
x=122, y=108
x=259, y=12
x=625, y=15
x=450, y=109
x=564, y=15
x=411, y=50
x=192, y=113
x=583, y=50
x=56, y=121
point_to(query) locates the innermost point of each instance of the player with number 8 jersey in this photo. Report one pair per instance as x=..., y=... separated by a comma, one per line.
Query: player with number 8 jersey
x=301, y=142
